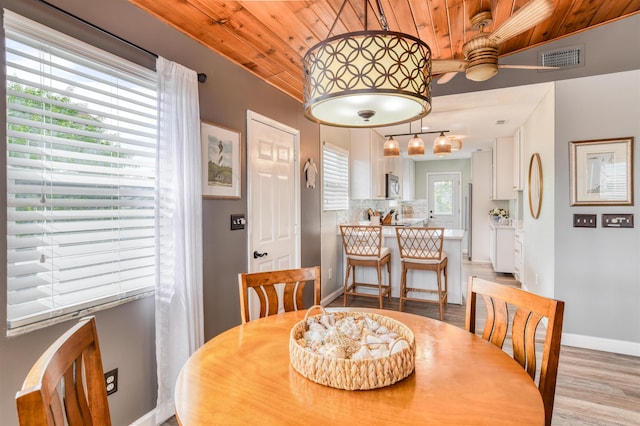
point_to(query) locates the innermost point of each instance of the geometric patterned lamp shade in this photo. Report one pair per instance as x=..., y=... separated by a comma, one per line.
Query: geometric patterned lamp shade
x=367, y=79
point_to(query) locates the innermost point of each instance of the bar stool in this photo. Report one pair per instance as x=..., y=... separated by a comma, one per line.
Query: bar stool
x=363, y=247
x=421, y=249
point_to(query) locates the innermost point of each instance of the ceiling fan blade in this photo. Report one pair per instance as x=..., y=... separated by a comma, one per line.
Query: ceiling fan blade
x=527, y=67
x=526, y=17
x=446, y=78
x=443, y=66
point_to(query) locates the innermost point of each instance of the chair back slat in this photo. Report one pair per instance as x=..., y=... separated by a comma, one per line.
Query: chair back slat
x=420, y=242
x=498, y=328
x=72, y=396
x=531, y=308
x=66, y=384
x=530, y=343
x=518, y=337
x=490, y=319
x=361, y=240
x=277, y=289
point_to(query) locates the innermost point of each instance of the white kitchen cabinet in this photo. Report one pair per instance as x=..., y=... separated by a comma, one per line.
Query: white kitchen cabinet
x=501, y=243
x=503, y=169
x=367, y=164
x=518, y=167
x=518, y=255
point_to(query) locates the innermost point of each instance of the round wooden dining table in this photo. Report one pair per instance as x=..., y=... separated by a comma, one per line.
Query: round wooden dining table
x=243, y=377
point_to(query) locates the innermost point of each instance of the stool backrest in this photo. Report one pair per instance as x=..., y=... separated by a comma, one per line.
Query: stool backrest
x=361, y=240
x=420, y=243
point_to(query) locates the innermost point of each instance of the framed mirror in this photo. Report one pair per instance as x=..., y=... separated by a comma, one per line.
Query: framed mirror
x=535, y=185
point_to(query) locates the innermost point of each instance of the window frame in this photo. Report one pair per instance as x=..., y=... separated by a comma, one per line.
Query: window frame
x=328, y=169
x=31, y=28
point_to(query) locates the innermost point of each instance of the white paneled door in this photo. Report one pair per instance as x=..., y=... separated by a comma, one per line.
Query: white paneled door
x=444, y=199
x=273, y=188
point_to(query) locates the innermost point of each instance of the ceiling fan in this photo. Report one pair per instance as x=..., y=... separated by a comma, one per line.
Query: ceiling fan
x=481, y=52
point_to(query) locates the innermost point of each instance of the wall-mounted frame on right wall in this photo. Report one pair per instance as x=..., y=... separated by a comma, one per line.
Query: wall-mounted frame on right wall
x=535, y=185
x=601, y=172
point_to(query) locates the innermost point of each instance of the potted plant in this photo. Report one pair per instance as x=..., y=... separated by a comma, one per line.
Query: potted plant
x=495, y=214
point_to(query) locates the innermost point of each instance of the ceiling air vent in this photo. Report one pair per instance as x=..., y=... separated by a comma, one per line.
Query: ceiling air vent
x=566, y=57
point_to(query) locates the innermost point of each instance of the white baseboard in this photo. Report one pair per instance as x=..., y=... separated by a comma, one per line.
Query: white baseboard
x=148, y=419
x=331, y=297
x=601, y=344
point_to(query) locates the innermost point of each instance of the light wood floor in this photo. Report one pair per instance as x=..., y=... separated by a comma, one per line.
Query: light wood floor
x=593, y=387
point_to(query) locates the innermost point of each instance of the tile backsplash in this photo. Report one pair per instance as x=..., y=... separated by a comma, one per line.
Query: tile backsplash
x=405, y=209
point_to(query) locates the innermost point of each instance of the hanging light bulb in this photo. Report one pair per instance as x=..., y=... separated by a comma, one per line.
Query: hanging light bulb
x=441, y=146
x=456, y=143
x=391, y=147
x=416, y=146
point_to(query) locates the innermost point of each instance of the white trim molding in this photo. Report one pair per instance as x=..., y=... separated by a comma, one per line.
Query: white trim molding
x=601, y=344
x=148, y=419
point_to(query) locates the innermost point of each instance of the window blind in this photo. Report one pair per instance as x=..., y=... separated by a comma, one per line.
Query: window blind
x=81, y=144
x=335, y=178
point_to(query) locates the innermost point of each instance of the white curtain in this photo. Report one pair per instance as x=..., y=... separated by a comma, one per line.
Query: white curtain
x=179, y=311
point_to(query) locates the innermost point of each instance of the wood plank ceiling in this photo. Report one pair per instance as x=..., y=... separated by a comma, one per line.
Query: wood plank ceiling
x=270, y=38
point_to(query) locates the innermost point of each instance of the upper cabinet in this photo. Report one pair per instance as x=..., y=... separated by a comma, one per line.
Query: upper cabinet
x=503, y=169
x=367, y=164
x=518, y=154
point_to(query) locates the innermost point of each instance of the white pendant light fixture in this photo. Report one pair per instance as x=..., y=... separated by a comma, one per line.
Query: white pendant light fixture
x=416, y=145
x=456, y=143
x=441, y=146
x=391, y=147
x=367, y=78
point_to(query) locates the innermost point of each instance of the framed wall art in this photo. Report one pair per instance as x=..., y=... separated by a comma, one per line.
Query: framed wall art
x=602, y=172
x=221, y=174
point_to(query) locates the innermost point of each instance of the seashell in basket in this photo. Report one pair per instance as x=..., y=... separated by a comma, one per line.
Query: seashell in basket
x=334, y=360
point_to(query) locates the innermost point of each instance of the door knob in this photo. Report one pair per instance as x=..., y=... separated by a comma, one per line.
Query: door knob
x=257, y=254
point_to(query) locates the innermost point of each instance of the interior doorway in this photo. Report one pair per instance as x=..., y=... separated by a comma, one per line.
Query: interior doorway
x=444, y=200
x=273, y=194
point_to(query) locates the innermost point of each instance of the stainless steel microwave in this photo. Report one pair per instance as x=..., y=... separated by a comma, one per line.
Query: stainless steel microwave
x=392, y=185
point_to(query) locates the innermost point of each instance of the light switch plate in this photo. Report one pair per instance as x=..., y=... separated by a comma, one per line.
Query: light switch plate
x=617, y=220
x=238, y=221
x=584, y=220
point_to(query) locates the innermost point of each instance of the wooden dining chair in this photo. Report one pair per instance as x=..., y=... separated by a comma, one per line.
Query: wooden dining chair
x=363, y=247
x=266, y=287
x=421, y=249
x=66, y=384
x=530, y=310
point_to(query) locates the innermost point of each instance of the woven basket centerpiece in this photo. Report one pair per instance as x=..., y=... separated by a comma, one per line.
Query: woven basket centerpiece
x=352, y=350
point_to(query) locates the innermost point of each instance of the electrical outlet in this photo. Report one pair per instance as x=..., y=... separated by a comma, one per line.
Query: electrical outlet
x=330, y=273
x=111, y=381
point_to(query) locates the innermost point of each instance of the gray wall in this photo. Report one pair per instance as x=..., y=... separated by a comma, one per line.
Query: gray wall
x=127, y=332
x=597, y=270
